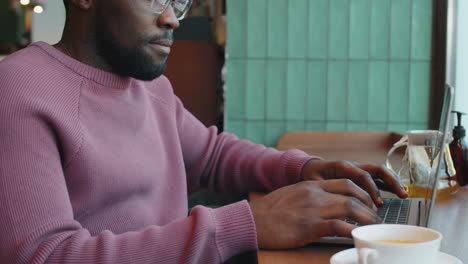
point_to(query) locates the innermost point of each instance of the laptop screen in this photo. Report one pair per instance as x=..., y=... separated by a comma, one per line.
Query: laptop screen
x=441, y=173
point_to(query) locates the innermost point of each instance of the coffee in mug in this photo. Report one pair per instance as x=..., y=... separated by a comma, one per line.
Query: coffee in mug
x=398, y=241
x=390, y=244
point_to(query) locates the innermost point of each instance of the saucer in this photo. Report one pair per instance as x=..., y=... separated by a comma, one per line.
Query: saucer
x=349, y=256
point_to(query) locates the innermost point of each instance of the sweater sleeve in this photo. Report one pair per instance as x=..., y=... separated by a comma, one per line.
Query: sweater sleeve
x=226, y=164
x=37, y=223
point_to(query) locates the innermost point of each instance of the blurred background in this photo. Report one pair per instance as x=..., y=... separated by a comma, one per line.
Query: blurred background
x=259, y=68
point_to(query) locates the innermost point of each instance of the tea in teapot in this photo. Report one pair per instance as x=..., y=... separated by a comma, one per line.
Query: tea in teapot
x=419, y=164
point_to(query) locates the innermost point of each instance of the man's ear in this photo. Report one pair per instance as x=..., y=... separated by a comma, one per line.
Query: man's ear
x=82, y=4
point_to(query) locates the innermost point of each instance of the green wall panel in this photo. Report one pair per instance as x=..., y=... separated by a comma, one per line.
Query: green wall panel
x=237, y=127
x=336, y=126
x=356, y=126
x=255, y=130
x=318, y=29
x=237, y=28
x=235, y=95
x=295, y=93
x=380, y=29
x=338, y=30
x=297, y=40
x=317, y=90
x=277, y=29
x=418, y=92
x=316, y=126
x=327, y=65
x=256, y=28
x=398, y=127
x=273, y=130
x=292, y=125
x=421, y=33
x=359, y=29
x=337, y=90
x=378, y=91
x=255, y=89
x=358, y=82
x=377, y=127
x=399, y=92
x=276, y=83
x=400, y=29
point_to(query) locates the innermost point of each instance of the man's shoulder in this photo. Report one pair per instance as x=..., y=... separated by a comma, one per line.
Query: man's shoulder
x=26, y=64
x=23, y=57
x=31, y=74
x=31, y=67
x=13, y=63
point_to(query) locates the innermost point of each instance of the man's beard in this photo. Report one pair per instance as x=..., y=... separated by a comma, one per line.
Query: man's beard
x=131, y=62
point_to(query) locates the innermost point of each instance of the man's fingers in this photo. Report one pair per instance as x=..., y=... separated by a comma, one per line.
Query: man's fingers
x=365, y=180
x=335, y=227
x=361, y=177
x=349, y=208
x=348, y=188
x=383, y=186
x=391, y=181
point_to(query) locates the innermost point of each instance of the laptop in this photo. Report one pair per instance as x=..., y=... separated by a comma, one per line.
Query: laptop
x=413, y=211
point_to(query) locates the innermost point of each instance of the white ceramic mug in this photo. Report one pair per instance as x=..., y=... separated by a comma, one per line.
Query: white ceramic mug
x=396, y=244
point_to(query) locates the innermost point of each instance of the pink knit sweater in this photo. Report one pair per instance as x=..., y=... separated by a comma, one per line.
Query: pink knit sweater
x=94, y=169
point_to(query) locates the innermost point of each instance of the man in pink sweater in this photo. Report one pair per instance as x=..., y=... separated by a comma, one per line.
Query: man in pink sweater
x=96, y=152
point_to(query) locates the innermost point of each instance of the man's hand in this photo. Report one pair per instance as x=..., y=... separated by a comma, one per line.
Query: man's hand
x=299, y=214
x=368, y=177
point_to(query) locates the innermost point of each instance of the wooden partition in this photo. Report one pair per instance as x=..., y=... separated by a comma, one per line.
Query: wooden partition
x=194, y=69
x=359, y=146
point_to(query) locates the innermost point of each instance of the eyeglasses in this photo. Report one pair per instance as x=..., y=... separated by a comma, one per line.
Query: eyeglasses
x=180, y=6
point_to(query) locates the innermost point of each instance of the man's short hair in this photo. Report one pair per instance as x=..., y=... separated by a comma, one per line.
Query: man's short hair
x=65, y=2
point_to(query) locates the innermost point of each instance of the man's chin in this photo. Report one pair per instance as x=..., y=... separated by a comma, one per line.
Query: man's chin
x=137, y=62
x=148, y=73
x=139, y=66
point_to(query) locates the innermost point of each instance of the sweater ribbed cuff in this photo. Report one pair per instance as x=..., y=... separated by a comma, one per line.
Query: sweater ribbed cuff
x=293, y=162
x=235, y=229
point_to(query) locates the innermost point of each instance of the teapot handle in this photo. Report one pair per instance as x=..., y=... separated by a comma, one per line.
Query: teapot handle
x=402, y=142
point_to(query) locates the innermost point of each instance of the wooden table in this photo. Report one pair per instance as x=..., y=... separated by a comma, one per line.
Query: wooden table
x=450, y=217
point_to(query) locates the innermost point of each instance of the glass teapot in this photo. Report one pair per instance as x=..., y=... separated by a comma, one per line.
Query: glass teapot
x=419, y=164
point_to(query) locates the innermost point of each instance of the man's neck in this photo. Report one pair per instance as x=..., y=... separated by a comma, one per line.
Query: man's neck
x=81, y=46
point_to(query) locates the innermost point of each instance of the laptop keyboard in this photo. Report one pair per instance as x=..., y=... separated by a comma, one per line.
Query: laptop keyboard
x=393, y=211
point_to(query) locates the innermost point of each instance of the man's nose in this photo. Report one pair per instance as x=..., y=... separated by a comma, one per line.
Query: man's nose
x=168, y=19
